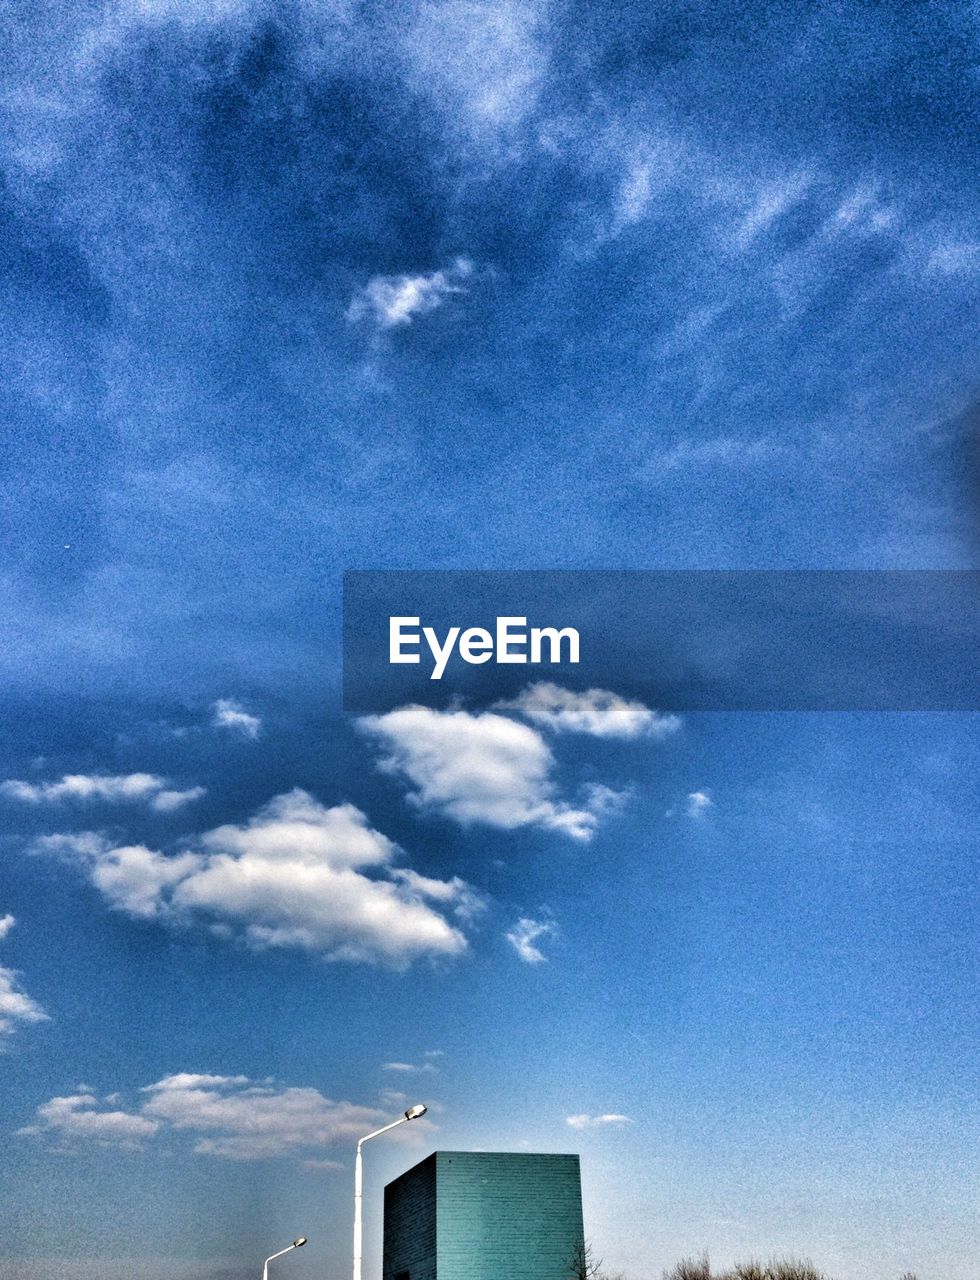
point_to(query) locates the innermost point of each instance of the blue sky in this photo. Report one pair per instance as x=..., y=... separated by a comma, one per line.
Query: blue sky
x=302, y=287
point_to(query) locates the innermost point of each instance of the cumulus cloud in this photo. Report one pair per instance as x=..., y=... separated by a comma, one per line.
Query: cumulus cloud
x=131, y=788
x=131, y=878
x=75, y=846
x=16, y=1006
x=242, y=1120
x=477, y=768
x=80, y=1116
x=394, y=301
x=596, y=711
x=231, y=1117
x=226, y=713
x=456, y=893
x=609, y=1120
x=137, y=880
x=525, y=934
x=297, y=874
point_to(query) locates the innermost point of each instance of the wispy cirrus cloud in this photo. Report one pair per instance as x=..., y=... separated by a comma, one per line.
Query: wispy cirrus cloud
x=426, y=1067
x=393, y=1098
x=610, y=1120
x=16, y=1006
x=131, y=788
x=597, y=712
x=692, y=458
x=296, y=875
x=768, y=205
x=230, y=1117
x=482, y=64
x=524, y=936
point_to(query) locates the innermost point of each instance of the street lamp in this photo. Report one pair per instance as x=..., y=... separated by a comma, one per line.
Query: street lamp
x=297, y=1244
x=412, y=1113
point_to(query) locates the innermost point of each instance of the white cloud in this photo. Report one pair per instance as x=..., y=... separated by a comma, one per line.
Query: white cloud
x=481, y=63
x=456, y=893
x=292, y=876
x=168, y=800
x=129, y=788
x=410, y=1068
x=16, y=1006
x=78, y=1117
x=609, y=1120
x=231, y=1117
x=602, y=800
x=242, y=1120
x=525, y=934
x=77, y=846
x=723, y=453
x=323, y=1166
x=131, y=878
x=698, y=804
x=634, y=194
x=128, y=16
x=771, y=203
x=392, y=301
x=950, y=258
x=227, y=713
x=477, y=768
x=596, y=711
x=861, y=213
x=136, y=879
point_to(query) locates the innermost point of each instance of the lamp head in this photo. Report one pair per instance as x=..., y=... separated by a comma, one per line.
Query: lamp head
x=413, y=1113
x=298, y=1243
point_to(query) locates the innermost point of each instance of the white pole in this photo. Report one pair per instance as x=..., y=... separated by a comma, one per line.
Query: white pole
x=295, y=1245
x=413, y=1113
x=358, y=1177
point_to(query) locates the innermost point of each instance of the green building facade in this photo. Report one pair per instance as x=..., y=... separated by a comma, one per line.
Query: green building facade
x=484, y=1215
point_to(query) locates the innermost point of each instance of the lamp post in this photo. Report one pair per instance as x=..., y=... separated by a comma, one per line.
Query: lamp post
x=297, y=1244
x=412, y=1113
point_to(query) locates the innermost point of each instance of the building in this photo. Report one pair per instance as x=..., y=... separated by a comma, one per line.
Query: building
x=484, y=1215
